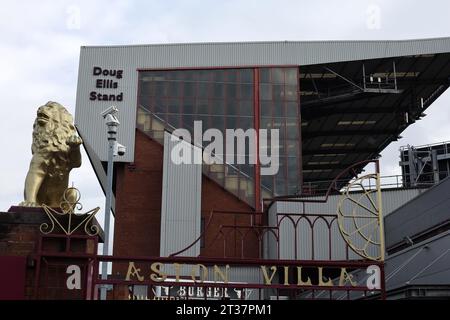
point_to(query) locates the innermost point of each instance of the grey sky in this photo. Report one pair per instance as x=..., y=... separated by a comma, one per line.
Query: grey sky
x=40, y=43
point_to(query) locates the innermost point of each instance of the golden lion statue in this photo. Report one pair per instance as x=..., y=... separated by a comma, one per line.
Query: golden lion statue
x=56, y=150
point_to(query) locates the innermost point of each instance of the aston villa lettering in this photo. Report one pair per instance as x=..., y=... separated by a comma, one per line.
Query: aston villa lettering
x=199, y=274
x=107, y=80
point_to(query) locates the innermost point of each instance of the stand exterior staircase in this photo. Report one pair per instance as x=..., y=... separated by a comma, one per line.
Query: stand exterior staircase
x=226, y=175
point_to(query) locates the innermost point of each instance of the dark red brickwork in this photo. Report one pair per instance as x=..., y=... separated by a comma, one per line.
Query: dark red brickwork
x=138, y=201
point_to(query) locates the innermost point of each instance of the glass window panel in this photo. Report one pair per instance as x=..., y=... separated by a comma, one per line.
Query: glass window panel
x=265, y=91
x=218, y=91
x=291, y=129
x=278, y=109
x=277, y=75
x=282, y=165
x=280, y=185
x=188, y=106
x=204, y=75
x=148, y=88
x=202, y=107
x=292, y=189
x=174, y=106
x=246, y=91
x=264, y=75
x=231, y=76
x=203, y=89
x=145, y=100
x=291, y=93
x=294, y=183
x=215, y=97
x=246, y=123
x=281, y=148
x=292, y=164
x=189, y=89
x=178, y=75
x=265, y=108
x=291, y=76
x=232, y=107
x=162, y=116
x=217, y=122
x=292, y=109
x=218, y=75
x=247, y=169
x=169, y=75
x=231, y=122
x=282, y=132
x=266, y=123
x=188, y=122
x=267, y=181
x=246, y=108
x=161, y=89
x=246, y=75
x=278, y=92
x=190, y=75
x=159, y=105
x=157, y=75
x=231, y=91
x=205, y=121
x=217, y=107
x=174, y=120
x=292, y=148
x=175, y=89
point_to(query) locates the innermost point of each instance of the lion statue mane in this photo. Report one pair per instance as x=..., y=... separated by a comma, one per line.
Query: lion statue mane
x=55, y=150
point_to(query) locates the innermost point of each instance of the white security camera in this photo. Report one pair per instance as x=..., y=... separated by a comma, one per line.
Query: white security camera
x=111, y=120
x=119, y=149
x=110, y=111
x=110, y=117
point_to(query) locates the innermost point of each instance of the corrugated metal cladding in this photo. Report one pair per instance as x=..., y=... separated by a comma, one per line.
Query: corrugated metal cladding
x=392, y=199
x=181, y=202
x=429, y=210
x=425, y=263
x=198, y=55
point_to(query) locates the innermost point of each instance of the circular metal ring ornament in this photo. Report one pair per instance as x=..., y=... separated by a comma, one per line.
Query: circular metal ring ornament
x=360, y=218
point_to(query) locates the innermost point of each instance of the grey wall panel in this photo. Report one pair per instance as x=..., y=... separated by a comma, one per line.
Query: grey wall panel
x=87, y=113
x=304, y=240
x=427, y=264
x=287, y=239
x=392, y=199
x=423, y=264
x=181, y=203
x=132, y=58
x=270, y=242
x=426, y=211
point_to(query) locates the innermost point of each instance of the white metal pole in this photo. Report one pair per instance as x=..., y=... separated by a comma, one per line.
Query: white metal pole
x=112, y=141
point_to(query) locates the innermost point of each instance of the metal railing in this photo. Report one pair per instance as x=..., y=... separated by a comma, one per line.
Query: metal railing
x=444, y=146
x=387, y=182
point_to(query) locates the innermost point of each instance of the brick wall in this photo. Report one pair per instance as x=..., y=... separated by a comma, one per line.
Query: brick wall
x=19, y=237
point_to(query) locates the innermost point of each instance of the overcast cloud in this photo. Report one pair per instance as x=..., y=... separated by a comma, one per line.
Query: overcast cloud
x=40, y=44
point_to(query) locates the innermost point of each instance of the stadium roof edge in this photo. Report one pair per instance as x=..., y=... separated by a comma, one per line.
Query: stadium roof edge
x=300, y=53
x=264, y=42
